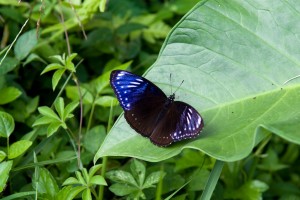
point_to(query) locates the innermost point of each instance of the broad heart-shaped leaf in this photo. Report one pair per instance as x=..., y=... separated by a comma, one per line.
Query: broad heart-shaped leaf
x=234, y=57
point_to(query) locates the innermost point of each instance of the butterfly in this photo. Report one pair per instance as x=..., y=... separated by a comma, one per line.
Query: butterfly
x=151, y=113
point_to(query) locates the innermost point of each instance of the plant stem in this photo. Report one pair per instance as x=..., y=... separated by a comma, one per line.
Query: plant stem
x=104, y=159
x=212, y=180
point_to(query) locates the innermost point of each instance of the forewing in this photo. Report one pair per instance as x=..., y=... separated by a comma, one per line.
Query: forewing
x=141, y=100
x=180, y=122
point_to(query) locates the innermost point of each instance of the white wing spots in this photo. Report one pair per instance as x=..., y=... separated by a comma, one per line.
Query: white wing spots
x=140, y=80
x=131, y=86
x=135, y=83
x=198, y=122
x=128, y=105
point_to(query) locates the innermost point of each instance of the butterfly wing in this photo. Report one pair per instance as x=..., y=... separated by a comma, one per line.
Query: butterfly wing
x=180, y=122
x=141, y=100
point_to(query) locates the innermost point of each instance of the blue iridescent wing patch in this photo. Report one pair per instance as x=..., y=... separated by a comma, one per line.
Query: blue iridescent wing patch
x=151, y=113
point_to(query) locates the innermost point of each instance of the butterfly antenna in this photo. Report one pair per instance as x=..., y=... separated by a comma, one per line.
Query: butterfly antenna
x=179, y=86
x=171, y=82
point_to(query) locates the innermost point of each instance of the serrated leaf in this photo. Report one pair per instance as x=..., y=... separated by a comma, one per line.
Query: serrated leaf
x=5, y=168
x=25, y=44
x=234, y=72
x=98, y=180
x=9, y=94
x=56, y=77
x=7, y=124
x=18, y=148
x=52, y=66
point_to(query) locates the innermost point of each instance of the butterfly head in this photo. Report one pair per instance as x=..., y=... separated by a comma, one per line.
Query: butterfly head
x=172, y=97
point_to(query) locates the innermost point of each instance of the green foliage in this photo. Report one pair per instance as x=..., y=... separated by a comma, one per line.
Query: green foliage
x=239, y=93
x=234, y=57
x=85, y=181
x=132, y=184
x=64, y=64
x=58, y=119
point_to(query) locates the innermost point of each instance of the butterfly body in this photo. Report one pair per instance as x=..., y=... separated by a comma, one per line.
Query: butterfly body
x=151, y=113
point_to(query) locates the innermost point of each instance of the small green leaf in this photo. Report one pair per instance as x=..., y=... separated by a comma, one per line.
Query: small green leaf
x=98, y=180
x=152, y=179
x=52, y=66
x=89, y=142
x=7, y=124
x=250, y=190
x=80, y=178
x=70, y=108
x=85, y=175
x=69, y=192
x=69, y=64
x=46, y=184
x=94, y=169
x=9, y=94
x=2, y=156
x=122, y=189
x=43, y=120
x=33, y=57
x=138, y=170
x=106, y=101
x=59, y=58
x=121, y=177
x=52, y=128
x=32, y=105
x=102, y=5
x=86, y=195
x=18, y=148
x=59, y=105
x=72, y=93
x=8, y=65
x=5, y=168
x=56, y=77
x=25, y=44
x=71, y=181
x=46, y=111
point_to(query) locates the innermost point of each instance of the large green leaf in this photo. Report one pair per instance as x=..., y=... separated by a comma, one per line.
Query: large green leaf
x=234, y=57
